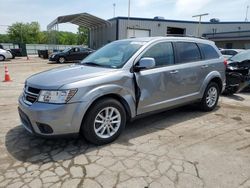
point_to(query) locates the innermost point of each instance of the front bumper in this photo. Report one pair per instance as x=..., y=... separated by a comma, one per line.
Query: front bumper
x=52, y=59
x=64, y=119
x=8, y=55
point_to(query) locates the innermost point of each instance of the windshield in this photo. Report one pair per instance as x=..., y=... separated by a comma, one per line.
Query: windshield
x=67, y=49
x=241, y=56
x=113, y=55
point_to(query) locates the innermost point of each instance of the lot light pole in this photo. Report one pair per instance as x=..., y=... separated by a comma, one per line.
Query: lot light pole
x=128, y=17
x=199, y=15
x=114, y=9
x=246, y=19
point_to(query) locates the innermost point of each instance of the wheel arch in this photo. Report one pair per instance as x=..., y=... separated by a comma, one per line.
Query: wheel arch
x=115, y=96
x=212, y=77
x=218, y=81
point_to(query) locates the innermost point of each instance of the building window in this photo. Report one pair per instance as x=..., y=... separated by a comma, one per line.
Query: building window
x=175, y=31
x=229, y=45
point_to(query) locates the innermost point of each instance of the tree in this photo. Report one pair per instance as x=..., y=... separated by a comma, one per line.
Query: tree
x=83, y=34
x=30, y=33
x=24, y=32
x=4, y=38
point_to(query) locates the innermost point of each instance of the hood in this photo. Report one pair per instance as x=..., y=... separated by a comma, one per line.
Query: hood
x=56, y=78
x=2, y=50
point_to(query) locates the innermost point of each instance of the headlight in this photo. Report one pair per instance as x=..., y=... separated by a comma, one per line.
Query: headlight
x=58, y=97
x=52, y=56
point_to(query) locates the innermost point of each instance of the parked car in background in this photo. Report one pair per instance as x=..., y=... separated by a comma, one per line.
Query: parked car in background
x=11, y=51
x=228, y=53
x=70, y=54
x=238, y=72
x=119, y=82
x=242, y=59
x=4, y=54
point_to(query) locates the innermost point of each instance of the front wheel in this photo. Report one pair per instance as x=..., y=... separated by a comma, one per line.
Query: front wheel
x=61, y=60
x=104, y=121
x=210, y=97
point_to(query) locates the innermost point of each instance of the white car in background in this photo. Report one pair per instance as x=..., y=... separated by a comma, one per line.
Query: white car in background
x=228, y=53
x=4, y=54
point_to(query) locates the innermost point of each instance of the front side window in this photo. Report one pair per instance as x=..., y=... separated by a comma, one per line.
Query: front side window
x=162, y=53
x=187, y=52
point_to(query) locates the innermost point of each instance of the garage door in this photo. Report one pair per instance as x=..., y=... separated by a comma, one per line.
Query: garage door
x=135, y=33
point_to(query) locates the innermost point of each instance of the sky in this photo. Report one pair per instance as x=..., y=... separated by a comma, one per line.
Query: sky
x=45, y=11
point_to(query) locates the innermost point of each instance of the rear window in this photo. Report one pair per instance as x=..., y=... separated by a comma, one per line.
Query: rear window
x=208, y=51
x=187, y=52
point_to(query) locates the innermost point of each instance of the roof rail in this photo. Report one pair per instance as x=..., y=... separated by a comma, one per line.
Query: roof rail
x=184, y=35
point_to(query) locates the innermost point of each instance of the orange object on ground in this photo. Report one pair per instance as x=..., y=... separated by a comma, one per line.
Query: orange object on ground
x=7, y=74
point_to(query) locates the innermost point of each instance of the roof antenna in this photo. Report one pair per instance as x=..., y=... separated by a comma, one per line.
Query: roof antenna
x=246, y=19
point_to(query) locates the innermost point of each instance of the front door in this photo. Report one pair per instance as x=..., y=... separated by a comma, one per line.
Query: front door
x=153, y=83
x=75, y=54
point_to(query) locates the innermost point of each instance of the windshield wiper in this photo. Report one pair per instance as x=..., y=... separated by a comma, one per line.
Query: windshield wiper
x=91, y=64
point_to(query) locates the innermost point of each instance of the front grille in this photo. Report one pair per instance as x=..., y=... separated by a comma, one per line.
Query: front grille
x=30, y=94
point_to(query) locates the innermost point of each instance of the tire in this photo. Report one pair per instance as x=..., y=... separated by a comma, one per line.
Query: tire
x=214, y=92
x=96, y=124
x=61, y=60
x=2, y=58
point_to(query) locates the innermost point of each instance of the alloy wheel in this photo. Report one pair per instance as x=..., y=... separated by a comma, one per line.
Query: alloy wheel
x=211, y=97
x=107, y=122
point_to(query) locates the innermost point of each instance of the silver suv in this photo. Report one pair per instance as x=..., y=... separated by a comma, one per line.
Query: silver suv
x=119, y=82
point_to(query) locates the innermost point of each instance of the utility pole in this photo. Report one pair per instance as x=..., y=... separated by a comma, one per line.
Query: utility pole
x=246, y=19
x=21, y=31
x=128, y=17
x=114, y=9
x=199, y=15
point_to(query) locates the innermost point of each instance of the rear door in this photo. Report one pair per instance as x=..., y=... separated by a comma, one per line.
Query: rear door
x=190, y=70
x=84, y=52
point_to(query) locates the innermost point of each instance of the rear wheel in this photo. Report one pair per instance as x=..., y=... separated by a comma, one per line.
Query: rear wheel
x=210, y=97
x=104, y=121
x=2, y=58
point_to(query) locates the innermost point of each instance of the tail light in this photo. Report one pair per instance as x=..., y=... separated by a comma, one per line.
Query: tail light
x=225, y=63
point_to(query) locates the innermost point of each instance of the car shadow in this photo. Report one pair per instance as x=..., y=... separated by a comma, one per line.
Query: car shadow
x=236, y=97
x=28, y=148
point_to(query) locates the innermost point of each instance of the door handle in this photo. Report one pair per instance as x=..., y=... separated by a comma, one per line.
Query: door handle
x=174, y=72
x=204, y=66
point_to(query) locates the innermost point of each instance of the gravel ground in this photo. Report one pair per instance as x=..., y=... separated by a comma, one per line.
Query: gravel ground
x=177, y=148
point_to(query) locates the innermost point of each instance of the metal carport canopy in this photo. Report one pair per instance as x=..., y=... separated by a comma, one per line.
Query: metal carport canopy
x=82, y=19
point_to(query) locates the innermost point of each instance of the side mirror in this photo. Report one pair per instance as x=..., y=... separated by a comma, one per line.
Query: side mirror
x=144, y=63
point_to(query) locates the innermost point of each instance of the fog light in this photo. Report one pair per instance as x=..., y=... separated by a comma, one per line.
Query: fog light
x=44, y=128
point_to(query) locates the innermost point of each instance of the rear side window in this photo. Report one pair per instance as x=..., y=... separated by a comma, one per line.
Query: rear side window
x=187, y=52
x=162, y=53
x=208, y=51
